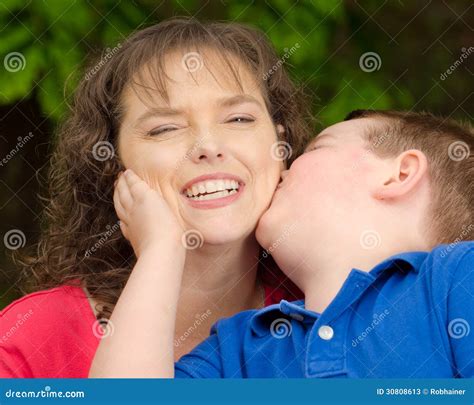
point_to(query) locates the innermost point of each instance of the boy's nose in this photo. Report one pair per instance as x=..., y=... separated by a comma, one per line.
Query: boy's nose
x=284, y=173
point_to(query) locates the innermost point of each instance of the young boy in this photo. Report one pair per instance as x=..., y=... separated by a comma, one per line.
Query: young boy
x=355, y=223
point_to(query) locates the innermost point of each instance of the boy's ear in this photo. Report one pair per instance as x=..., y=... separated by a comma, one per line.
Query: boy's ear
x=403, y=176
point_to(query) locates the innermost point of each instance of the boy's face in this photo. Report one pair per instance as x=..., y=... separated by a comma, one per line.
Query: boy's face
x=324, y=197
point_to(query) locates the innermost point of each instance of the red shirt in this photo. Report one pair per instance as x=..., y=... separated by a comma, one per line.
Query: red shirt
x=54, y=333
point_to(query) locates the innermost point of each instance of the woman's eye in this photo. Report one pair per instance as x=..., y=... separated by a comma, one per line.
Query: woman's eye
x=161, y=130
x=241, y=119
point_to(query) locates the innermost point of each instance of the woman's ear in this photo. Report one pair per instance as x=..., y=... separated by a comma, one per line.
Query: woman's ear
x=403, y=176
x=280, y=129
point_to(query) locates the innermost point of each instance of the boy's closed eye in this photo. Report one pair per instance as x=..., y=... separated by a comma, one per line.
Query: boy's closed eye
x=318, y=142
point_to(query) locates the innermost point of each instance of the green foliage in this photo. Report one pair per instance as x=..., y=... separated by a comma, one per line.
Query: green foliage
x=55, y=38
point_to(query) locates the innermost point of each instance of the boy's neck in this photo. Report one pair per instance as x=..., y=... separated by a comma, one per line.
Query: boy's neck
x=324, y=280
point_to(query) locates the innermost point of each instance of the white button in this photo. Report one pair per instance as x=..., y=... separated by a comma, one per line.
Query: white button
x=326, y=332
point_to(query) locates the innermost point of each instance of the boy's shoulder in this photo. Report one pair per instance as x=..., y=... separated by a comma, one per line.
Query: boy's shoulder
x=258, y=322
x=451, y=258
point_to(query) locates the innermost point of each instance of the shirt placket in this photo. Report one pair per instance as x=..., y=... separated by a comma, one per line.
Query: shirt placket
x=325, y=350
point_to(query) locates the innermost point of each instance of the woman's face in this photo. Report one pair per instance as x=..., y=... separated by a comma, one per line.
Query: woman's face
x=208, y=147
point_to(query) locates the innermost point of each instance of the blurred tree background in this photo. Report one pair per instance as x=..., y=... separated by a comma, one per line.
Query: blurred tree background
x=414, y=55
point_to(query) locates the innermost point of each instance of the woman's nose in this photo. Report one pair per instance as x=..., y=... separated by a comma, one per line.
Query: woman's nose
x=208, y=149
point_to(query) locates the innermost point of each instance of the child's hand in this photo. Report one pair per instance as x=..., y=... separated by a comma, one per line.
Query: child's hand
x=145, y=217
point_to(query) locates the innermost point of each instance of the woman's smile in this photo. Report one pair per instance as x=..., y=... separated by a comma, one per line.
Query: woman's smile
x=213, y=190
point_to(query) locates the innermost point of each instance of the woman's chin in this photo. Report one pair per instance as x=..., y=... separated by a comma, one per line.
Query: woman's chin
x=221, y=234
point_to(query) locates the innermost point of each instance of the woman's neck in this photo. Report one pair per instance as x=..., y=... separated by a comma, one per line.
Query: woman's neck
x=224, y=275
x=217, y=283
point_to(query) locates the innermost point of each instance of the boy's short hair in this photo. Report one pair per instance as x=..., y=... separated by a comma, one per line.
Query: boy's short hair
x=449, y=147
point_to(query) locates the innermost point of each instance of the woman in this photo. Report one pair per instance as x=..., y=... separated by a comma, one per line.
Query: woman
x=186, y=106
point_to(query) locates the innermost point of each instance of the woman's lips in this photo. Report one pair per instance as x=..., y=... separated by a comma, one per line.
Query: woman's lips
x=213, y=190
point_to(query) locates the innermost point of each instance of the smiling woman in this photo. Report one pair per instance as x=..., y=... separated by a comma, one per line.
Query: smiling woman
x=188, y=108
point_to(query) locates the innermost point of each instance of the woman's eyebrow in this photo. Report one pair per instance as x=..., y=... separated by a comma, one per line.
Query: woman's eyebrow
x=157, y=111
x=238, y=99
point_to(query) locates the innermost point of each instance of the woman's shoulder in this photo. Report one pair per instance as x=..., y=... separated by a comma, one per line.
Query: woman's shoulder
x=43, y=332
x=38, y=296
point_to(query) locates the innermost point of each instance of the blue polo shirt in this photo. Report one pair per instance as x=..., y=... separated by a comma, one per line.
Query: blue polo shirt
x=412, y=316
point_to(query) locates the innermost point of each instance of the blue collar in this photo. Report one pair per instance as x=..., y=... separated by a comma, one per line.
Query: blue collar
x=263, y=321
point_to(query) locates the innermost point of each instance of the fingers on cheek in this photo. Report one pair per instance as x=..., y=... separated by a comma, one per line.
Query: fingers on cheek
x=124, y=229
x=119, y=209
x=124, y=195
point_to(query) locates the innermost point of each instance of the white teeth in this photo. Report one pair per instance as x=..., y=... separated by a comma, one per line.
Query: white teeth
x=209, y=187
x=220, y=185
x=212, y=186
x=213, y=196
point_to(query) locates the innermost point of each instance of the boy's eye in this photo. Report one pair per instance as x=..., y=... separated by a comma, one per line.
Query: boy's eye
x=314, y=148
x=161, y=130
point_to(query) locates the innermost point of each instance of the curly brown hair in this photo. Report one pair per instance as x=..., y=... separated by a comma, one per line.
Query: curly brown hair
x=79, y=215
